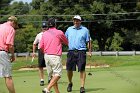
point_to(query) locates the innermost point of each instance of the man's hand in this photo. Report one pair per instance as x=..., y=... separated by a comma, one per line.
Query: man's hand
x=33, y=54
x=12, y=58
x=11, y=50
x=90, y=54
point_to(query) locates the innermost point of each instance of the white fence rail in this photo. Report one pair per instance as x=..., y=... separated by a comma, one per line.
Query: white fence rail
x=99, y=53
x=116, y=53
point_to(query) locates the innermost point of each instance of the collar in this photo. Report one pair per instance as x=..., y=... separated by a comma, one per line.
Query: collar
x=52, y=28
x=77, y=28
x=9, y=23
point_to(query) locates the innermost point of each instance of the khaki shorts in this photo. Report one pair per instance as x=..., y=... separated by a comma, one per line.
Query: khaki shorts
x=5, y=64
x=53, y=65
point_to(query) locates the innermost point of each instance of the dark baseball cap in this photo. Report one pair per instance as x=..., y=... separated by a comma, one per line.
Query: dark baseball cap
x=44, y=24
x=51, y=22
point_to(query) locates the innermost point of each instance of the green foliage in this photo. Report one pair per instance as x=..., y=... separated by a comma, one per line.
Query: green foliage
x=95, y=45
x=97, y=7
x=138, y=6
x=36, y=4
x=132, y=36
x=136, y=38
x=4, y=3
x=19, y=8
x=4, y=9
x=116, y=42
x=24, y=38
x=113, y=61
x=102, y=27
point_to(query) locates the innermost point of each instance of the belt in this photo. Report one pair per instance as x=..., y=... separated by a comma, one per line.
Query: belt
x=3, y=50
x=76, y=50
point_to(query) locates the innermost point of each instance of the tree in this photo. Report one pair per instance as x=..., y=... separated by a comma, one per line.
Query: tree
x=4, y=3
x=110, y=27
x=25, y=37
x=19, y=8
x=4, y=9
x=116, y=42
x=105, y=27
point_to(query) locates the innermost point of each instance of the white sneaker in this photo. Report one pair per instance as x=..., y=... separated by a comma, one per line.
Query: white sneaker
x=45, y=90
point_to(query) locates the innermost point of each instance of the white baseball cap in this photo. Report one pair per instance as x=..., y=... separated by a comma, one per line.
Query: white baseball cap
x=77, y=17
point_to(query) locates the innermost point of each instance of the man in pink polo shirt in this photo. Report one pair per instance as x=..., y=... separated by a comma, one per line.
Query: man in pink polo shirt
x=51, y=45
x=7, y=34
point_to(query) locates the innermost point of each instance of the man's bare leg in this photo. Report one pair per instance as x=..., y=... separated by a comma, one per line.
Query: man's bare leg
x=10, y=85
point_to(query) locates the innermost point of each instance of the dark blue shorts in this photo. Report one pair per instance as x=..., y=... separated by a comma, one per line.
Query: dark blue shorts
x=41, y=60
x=76, y=57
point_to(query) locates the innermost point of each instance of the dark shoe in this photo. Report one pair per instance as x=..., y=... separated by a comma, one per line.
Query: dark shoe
x=49, y=81
x=44, y=91
x=82, y=90
x=41, y=83
x=69, y=88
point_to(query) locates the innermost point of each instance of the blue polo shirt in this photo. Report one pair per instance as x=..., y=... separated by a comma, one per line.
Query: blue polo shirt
x=77, y=37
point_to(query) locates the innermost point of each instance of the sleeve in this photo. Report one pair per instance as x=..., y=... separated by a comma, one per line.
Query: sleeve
x=66, y=33
x=87, y=36
x=10, y=37
x=41, y=44
x=64, y=39
x=36, y=41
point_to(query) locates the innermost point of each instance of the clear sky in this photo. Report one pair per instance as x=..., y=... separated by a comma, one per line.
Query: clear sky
x=23, y=0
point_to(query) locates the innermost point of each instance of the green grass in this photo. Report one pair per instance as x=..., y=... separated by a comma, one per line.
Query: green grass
x=113, y=61
x=122, y=77
x=103, y=80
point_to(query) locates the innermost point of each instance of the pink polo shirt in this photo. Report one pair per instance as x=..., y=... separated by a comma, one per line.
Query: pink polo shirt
x=51, y=42
x=7, y=34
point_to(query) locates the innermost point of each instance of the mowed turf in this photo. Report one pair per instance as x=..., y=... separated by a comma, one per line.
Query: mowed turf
x=124, y=79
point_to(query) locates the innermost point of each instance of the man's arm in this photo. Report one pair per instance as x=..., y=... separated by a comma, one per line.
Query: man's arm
x=34, y=48
x=11, y=50
x=64, y=39
x=41, y=44
x=36, y=41
x=90, y=48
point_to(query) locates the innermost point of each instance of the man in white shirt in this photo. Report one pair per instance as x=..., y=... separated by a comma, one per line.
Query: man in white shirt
x=41, y=61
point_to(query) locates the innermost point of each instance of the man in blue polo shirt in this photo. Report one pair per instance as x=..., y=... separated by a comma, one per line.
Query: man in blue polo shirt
x=79, y=38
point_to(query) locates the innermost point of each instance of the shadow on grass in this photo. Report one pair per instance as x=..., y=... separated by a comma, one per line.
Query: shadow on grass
x=92, y=89
x=59, y=82
x=63, y=82
x=2, y=92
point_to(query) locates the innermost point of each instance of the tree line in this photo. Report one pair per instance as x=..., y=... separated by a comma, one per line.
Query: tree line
x=114, y=25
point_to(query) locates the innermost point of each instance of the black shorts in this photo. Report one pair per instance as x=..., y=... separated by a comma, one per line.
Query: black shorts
x=74, y=58
x=41, y=61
